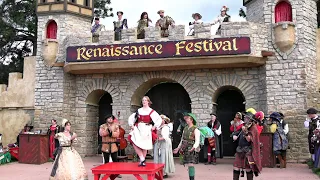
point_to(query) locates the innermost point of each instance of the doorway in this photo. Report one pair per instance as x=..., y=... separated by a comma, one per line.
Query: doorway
x=172, y=100
x=230, y=101
x=105, y=108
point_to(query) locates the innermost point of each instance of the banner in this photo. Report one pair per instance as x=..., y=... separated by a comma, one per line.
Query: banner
x=155, y=50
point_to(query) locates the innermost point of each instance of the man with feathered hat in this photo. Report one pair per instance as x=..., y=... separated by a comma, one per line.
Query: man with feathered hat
x=312, y=122
x=223, y=17
x=164, y=22
x=280, y=141
x=248, y=150
x=190, y=144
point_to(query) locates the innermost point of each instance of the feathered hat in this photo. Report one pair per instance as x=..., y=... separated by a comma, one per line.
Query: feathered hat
x=275, y=116
x=64, y=121
x=193, y=116
x=259, y=116
x=251, y=110
x=196, y=14
x=165, y=118
x=224, y=8
x=239, y=113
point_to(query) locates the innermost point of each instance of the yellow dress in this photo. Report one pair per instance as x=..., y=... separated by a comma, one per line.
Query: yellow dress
x=68, y=164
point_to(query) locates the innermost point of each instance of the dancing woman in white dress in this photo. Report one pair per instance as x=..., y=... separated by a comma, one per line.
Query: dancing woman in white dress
x=143, y=135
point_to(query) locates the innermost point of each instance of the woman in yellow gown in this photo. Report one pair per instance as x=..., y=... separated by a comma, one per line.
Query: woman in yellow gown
x=68, y=164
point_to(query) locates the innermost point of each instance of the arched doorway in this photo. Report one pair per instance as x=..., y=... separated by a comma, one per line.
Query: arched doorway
x=171, y=99
x=230, y=100
x=105, y=108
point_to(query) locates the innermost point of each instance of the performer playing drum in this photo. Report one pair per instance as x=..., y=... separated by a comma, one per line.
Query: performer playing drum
x=143, y=135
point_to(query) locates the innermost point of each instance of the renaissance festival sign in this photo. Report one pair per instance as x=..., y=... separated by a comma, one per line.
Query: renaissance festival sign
x=155, y=50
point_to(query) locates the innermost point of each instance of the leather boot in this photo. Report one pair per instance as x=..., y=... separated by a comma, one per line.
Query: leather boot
x=214, y=160
x=236, y=175
x=281, y=161
x=250, y=175
x=242, y=173
x=284, y=157
x=209, y=160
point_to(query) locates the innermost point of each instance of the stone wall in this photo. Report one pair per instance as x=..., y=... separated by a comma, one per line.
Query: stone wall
x=17, y=101
x=53, y=87
x=291, y=76
x=201, y=85
x=283, y=84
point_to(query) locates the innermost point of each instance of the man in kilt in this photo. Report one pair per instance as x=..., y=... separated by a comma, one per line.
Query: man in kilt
x=190, y=144
x=248, y=150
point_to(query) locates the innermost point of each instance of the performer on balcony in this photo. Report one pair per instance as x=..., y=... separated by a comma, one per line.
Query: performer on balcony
x=190, y=144
x=197, y=20
x=143, y=135
x=223, y=17
x=109, y=132
x=119, y=25
x=143, y=23
x=96, y=29
x=164, y=22
x=53, y=143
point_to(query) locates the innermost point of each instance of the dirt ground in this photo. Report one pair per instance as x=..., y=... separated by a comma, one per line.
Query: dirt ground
x=221, y=171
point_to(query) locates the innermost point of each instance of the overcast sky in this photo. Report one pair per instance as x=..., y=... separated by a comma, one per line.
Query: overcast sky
x=179, y=10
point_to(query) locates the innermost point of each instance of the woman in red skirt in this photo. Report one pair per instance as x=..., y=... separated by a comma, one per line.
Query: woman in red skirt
x=53, y=143
x=143, y=135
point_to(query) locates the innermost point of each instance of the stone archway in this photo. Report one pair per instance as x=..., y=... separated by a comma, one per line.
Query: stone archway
x=138, y=87
x=230, y=100
x=171, y=99
x=227, y=86
x=95, y=93
x=230, y=80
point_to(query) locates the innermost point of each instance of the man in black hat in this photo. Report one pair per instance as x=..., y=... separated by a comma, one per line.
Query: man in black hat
x=119, y=25
x=312, y=124
x=96, y=29
x=213, y=146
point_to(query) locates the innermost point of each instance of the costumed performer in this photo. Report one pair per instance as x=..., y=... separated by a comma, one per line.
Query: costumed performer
x=142, y=135
x=190, y=144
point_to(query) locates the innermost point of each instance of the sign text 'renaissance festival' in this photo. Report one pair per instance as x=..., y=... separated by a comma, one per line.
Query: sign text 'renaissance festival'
x=165, y=49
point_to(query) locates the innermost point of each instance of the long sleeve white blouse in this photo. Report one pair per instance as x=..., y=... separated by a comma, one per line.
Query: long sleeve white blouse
x=154, y=116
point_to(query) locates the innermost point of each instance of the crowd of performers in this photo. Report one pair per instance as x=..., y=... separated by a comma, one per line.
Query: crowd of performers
x=164, y=23
x=151, y=131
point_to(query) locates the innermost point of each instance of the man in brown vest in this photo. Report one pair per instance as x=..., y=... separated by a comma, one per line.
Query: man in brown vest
x=109, y=133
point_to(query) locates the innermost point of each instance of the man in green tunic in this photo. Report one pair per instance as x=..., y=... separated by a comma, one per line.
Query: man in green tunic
x=164, y=22
x=190, y=144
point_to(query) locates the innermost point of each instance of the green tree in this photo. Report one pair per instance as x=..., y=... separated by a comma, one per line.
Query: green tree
x=18, y=32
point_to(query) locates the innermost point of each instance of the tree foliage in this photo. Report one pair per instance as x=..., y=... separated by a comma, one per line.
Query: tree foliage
x=242, y=13
x=18, y=32
x=102, y=9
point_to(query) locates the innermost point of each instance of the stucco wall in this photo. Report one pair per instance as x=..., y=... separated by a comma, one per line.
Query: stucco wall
x=17, y=101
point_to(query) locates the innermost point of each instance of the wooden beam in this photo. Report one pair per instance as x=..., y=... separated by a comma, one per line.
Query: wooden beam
x=267, y=53
x=58, y=64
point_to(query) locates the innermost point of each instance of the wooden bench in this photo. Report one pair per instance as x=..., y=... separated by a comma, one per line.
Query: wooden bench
x=112, y=170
